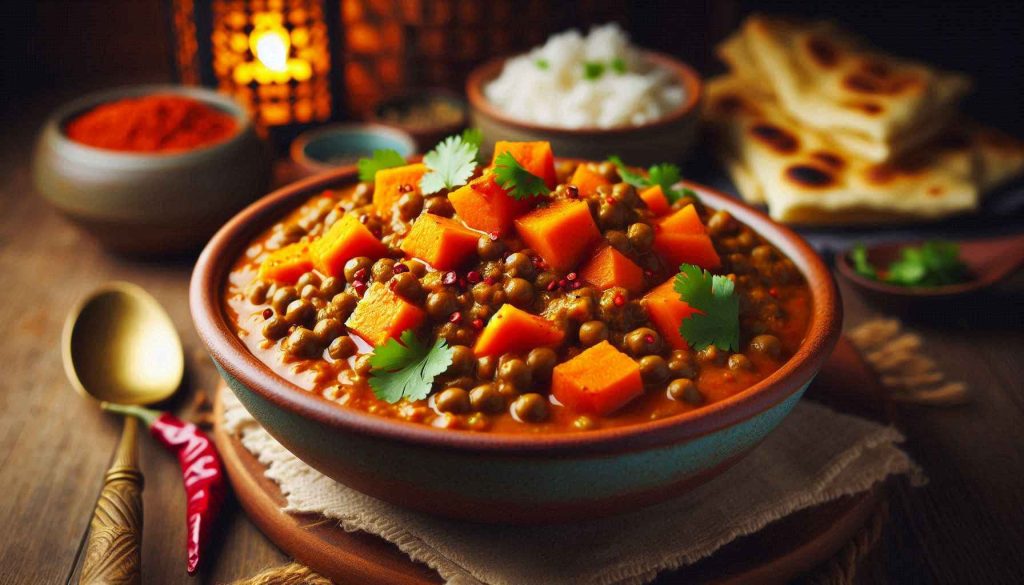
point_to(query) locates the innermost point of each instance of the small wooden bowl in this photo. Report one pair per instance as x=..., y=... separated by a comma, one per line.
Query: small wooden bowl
x=150, y=203
x=667, y=139
x=989, y=261
x=493, y=477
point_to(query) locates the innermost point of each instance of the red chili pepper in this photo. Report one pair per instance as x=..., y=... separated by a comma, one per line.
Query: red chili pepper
x=201, y=469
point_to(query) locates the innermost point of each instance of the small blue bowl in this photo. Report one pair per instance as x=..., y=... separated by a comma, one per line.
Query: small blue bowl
x=340, y=145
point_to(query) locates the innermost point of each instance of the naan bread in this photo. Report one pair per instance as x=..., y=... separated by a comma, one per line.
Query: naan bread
x=806, y=177
x=875, y=105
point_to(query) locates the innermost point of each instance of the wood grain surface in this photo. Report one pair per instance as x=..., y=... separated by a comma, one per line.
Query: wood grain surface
x=965, y=526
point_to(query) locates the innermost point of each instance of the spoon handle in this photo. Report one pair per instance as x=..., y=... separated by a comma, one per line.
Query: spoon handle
x=112, y=553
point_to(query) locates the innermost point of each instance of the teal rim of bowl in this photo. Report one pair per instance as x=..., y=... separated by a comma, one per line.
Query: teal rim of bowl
x=323, y=147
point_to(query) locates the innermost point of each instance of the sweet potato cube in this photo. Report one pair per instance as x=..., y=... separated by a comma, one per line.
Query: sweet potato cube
x=381, y=314
x=287, y=264
x=513, y=330
x=679, y=249
x=609, y=267
x=390, y=184
x=587, y=180
x=667, y=311
x=684, y=221
x=344, y=240
x=485, y=206
x=536, y=157
x=600, y=380
x=655, y=199
x=560, y=233
x=441, y=242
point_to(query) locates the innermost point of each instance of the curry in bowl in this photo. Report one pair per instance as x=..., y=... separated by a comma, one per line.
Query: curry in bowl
x=516, y=296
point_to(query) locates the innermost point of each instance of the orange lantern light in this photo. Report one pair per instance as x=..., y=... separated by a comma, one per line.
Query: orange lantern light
x=275, y=56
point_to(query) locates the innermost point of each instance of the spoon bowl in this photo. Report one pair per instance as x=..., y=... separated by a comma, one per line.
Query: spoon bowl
x=988, y=261
x=120, y=346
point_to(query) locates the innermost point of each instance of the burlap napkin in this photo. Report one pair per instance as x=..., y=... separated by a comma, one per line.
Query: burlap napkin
x=816, y=455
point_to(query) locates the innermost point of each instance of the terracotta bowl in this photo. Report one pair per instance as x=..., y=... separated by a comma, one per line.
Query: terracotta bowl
x=500, y=477
x=150, y=203
x=667, y=139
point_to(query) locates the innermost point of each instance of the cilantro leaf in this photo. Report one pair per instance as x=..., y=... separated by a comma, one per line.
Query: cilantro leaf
x=449, y=165
x=635, y=179
x=519, y=182
x=542, y=64
x=618, y=65
x=665, y=175
x=407, y=368
x=593, y=70
x=934, y=263
x=473, y=136
x=717, y=320
x=382, y=159
x=859, y=256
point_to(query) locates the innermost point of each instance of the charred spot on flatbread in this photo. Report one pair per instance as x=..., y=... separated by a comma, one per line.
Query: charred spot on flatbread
x=829, y=159
x=775, y=138
x=877, y=78
x=809, y=176
x=936, y=191
x=876, y=69
x=822, y=52
x=909, y=165
x=869, y=108
x=730, y=103
x=862, y=83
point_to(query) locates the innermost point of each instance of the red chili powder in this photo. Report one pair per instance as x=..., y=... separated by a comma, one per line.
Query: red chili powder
x=155, y=123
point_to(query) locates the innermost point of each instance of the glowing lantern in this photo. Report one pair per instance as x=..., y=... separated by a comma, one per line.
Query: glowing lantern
x=275, y=56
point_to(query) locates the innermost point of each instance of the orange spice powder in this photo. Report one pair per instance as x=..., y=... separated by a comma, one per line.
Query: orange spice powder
x=155, y=123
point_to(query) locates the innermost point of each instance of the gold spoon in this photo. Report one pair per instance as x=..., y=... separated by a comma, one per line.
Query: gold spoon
x=120, y=346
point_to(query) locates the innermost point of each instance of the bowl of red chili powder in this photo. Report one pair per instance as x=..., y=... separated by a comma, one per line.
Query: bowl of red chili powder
x=151, y=170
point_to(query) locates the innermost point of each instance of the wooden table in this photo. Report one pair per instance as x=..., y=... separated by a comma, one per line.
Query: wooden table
x=966, y=525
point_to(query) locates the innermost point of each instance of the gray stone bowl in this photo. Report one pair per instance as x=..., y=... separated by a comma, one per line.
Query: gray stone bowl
x=150, y=204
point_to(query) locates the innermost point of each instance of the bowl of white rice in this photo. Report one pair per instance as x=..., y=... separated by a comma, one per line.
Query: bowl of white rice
x=591, y=95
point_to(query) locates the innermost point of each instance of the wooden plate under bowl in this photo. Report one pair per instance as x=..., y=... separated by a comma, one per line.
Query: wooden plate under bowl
x=783, y=550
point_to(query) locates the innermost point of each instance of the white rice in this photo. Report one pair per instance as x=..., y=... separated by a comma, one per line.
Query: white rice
x=547, y=85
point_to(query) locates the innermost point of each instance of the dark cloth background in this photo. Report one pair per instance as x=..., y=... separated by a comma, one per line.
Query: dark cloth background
x=96, y=42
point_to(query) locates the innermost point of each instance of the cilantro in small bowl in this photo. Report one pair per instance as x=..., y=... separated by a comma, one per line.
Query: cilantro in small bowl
x=933, y=263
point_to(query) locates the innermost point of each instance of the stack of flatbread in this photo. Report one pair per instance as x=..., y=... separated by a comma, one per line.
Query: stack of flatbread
x=826, y=130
